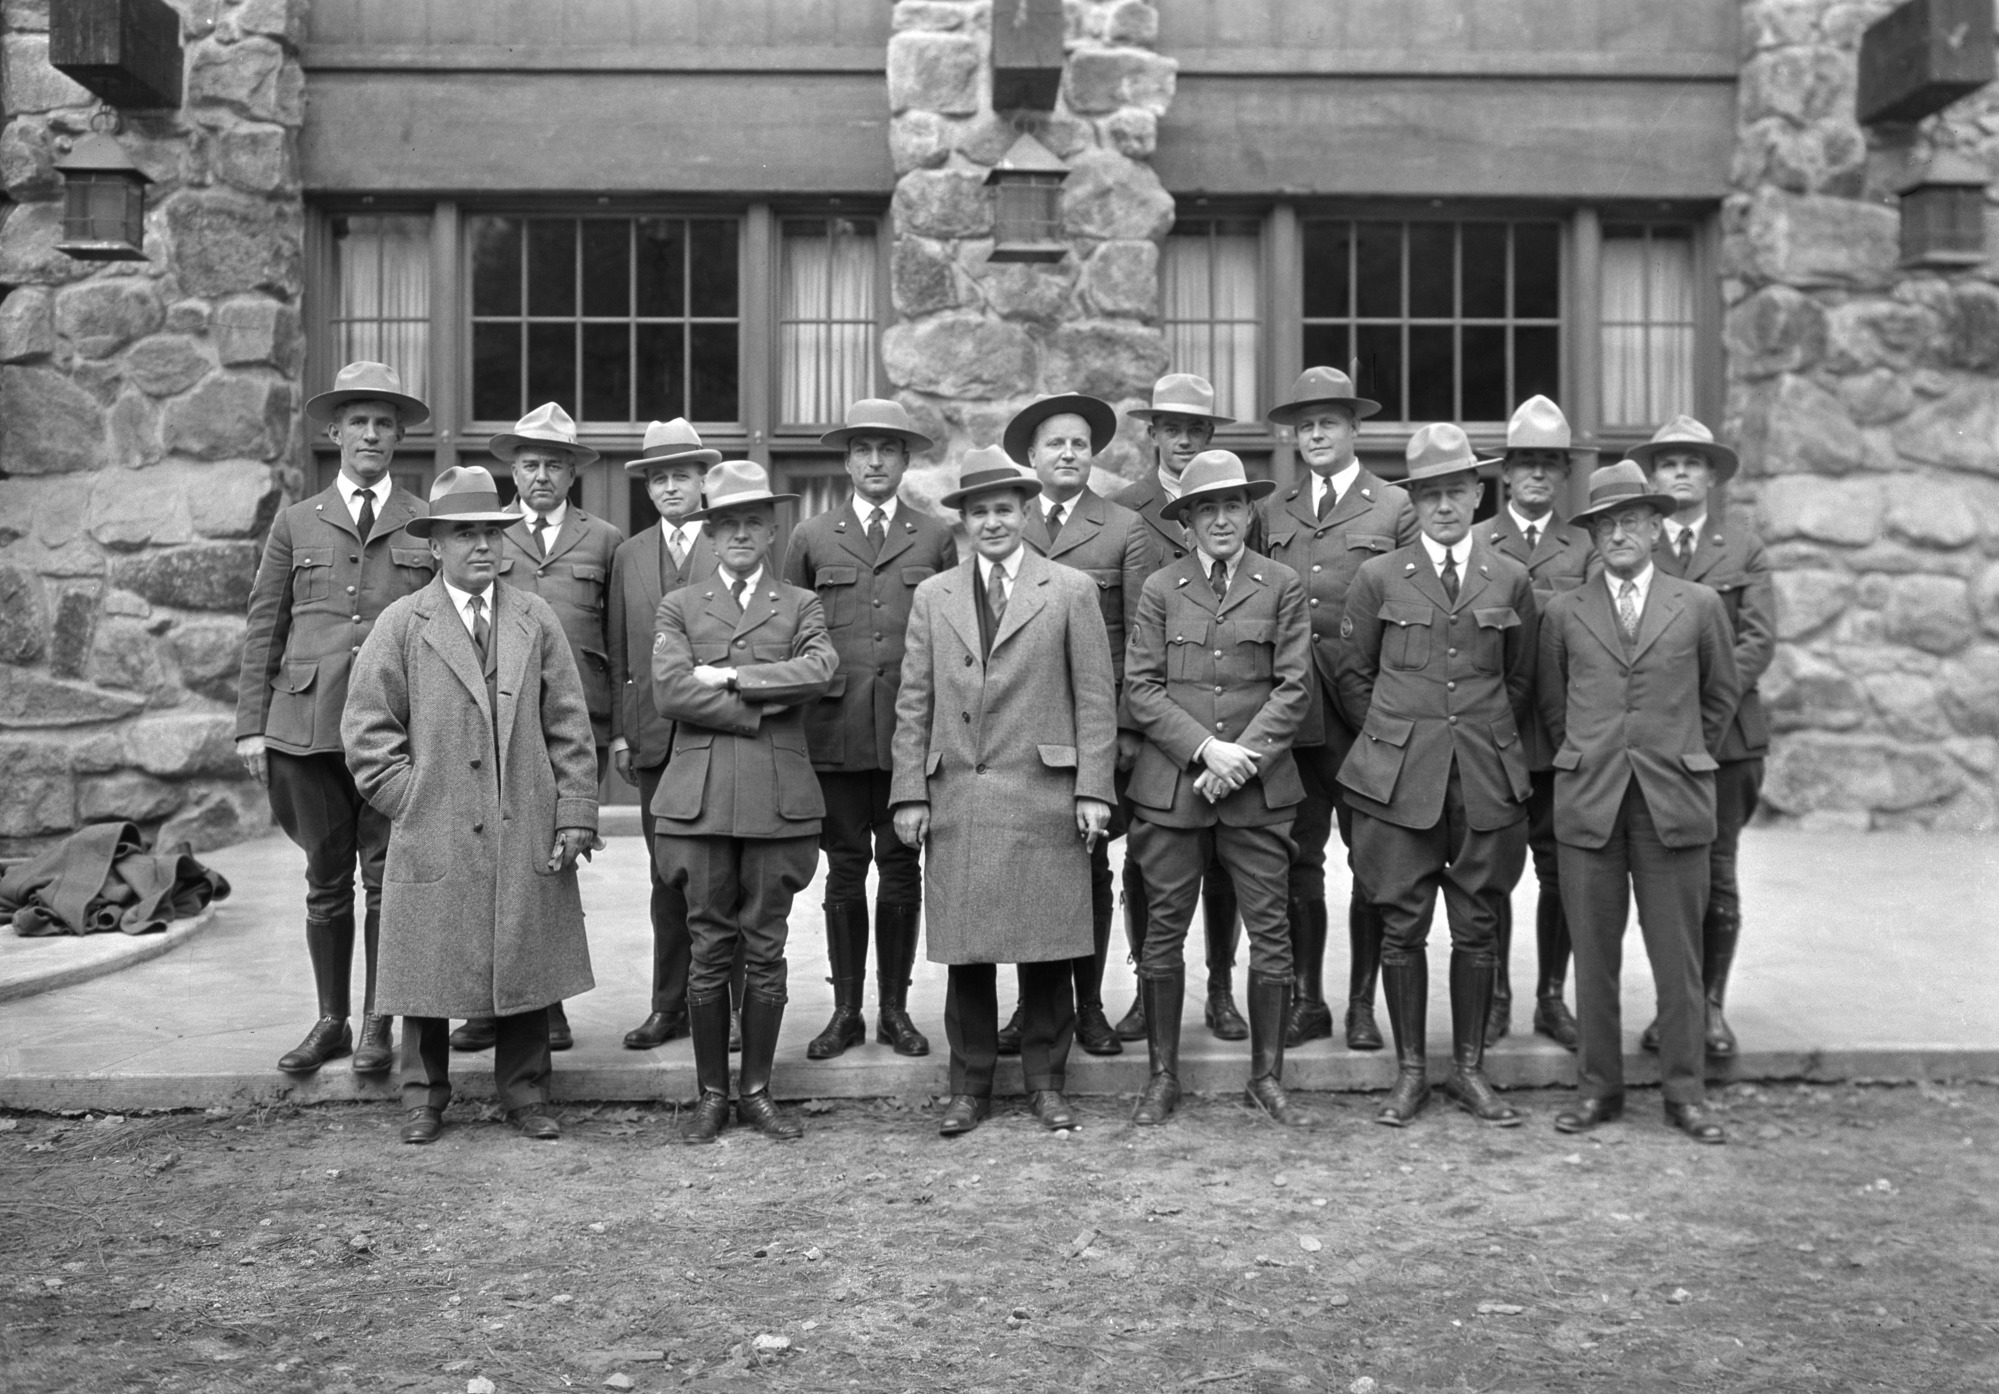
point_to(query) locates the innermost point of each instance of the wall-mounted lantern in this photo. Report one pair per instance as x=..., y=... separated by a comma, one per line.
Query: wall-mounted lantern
x=1920, y=57
x=1943, y=213
x=1027, y=204
x=103, y=202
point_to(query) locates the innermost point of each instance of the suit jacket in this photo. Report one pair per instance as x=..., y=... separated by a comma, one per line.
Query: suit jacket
x=1108, y=544
x=316, y=598
x=1001, y=749
x=739, y=766
x=1168, y=540
x=866, y=599
x=1431, y=683
x=1371, y=521
x=1234, y=669
x=1562, y=559
x=1729, y=560
x=643, y=574
x=1656, y=712
x=575, y=579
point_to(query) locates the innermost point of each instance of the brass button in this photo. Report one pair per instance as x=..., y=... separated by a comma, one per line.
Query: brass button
x=966, y=717
x=1318, y=568
x=357, y=619
x=1450, y=687
x=350, y=590
x=478, y=827
x=968, y=660
x=981, y=769
x=742, y=643
x=1453, y=653
x=1315, y=600
x=1453, y=720
x=1218, y=687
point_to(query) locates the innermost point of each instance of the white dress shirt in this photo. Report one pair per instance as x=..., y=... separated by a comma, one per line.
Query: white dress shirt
x=1540, y=524
x=1674, y=527
x=1339, y=481
x=462, y=600
x=1643, y=583
x=1010, y=564
x=686, y=532
x=1169, y=484
x=352, y=492
x=1048, y=506
x=554, y=518
x=728, y=578
x=1460, y=551
x=865, y=511
x=1208, y=560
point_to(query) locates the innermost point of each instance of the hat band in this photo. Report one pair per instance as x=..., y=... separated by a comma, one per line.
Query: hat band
x=1616, y=491
x=473, y=501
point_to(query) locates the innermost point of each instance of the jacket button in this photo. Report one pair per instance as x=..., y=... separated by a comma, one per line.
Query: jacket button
x=965, y=717
x=1453, y=652
x=1315, y=600
x=878, y=605
x=478, y=827
x=1218, y=653
x=1218, y=687
x=350, y=590
x=742, y=643
x=1318, y=568
x=1450, y=687
x=357, y=619
x=1453, y=720
x=356, y=649
x=352, y=557
x=981, y=769
x=968, y=660
x=475, y=762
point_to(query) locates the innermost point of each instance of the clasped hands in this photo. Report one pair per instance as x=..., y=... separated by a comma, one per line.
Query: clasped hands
x=1229, y=767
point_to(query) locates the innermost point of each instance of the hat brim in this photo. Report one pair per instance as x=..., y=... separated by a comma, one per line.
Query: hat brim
x=1026, y=486
x=713, y=510
x=507, y=445
x=1150, y=414
x=1018, y=439
x=1720, y=458
x=915, y=440
x=1665, y=505
x=703, y=456
x=1176, y=509
x=409, y=410
x=427, y=525
x=1287, y=413
x=1477, y=465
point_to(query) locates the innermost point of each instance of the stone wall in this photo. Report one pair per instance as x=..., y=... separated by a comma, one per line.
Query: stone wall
x=974, y=341
x=148, y=429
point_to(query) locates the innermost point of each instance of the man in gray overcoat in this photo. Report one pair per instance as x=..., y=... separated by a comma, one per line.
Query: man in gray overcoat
x=1005, y=746
x=467, y=728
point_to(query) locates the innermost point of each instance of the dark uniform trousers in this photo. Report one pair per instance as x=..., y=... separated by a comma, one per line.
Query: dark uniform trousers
x=756, y=876
x=521, y=1061
x=314, y=799
x=971, y=1025
x=1738, y=788
x=672, y=947
x=860, y=830
x=1174, y=862
x=1408, y=866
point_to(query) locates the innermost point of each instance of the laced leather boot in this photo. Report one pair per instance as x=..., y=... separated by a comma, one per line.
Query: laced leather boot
x=1311, y=1019
x=847, y=953
x=895, y=954
x=1163, y=996
x=1471, y=1008
x=330, y=945
x=1406, y=978
x=708, y=1025
x=1269, y=1010
x=761, y=1018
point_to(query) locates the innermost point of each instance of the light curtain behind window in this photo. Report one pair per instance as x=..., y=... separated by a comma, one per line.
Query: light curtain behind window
x=826, y=319
x=383, y=310
x=1648, y=324
x=1209, y=287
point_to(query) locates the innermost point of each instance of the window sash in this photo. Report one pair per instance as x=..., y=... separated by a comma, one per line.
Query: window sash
x=1648, y=323
x=828, y=323
x=1211, y=307
x=381, y=294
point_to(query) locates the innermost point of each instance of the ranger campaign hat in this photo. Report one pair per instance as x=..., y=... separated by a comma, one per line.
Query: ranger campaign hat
x=1685, y=433
x=1439, y=449
x=671, y=443
x=368, y=382
x=1018, y=438
x=1619, y=486
x=987, y=470
x=735, y=484
x=1182, y=394
x=1321, y=387
x=878, y=416
x=1210, y=473
x=547, y=425
x=462, y=494
x=1537, y=424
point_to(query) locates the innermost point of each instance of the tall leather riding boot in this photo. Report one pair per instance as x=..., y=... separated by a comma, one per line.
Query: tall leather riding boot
x=1719, y=932
x=1224, y=932
x=708, y=1025
x=1472, y=981
x=1499, y=1021
x=330, y=945
x=847, y=953
x=1552, y=1017
x=762, y=1016
x=1364, y=944
x=1310, y=1017
x=1269, y=1011
x=1131, y=1027
x=896, y=927
x=1406, y=979
x=373, y=1051
x=1093, y=1029
x=1163, y=996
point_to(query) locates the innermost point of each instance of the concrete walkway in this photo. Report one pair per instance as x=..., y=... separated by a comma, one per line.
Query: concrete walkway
x=1865, y=956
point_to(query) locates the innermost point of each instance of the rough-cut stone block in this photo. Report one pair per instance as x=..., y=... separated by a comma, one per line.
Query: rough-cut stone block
x=1959, y=430
x=131, y=508
x=232, y=498
x=1968, y=690
x=985, y=138
x=1971, y=327
x=1863, y=334
x=27, y=164
x=930, y=14
x=1105, y=358
x=1847, y=511
x=1877, y=397
x=224, y=243
x=218, y=815
x=1930, y=513
x=28, y=255
x=1931, y=613
x=1798, y=84
x=239, y=416
x=166, y=364
x=918, y=140
x=942, y=203
x=256, y=159
x=29, y=698
x=934, y=72
x=960, y=355
x=1133, y=132
x=1776, y=330
x=1067, y=136
x=1811, y=772
x=48, y=425
x=1803, y=690
x=1985, y=598
x=1907, y=705
x=1808, y=599
x=212, y=576
x=1812, y=240
x=71, y=634
x=24, y=631
x=27, y=329
x=178, y=746
x=923, y=277
x=1100, y=80
x=208, y=655
x=1122, y=278
x=28, y=80
x=256, y=329
x=1117, y=199
x=129, y=795
x=41, y=791
x=124, y=656
x=135, y=430
x=102, y=316
x=1131, y=22
x=283, y=20
x=245, y=77
x=1026, y=290
x=188, y=317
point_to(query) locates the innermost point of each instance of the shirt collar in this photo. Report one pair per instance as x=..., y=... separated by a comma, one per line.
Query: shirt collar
x=463, y=599
x=1048, y=506
x=1341, y=480
x=554, y=516
x=1643, y=582
x=865, y=510
x=1208, y=560
x=1010, y=565
x=1674, y=527
x=755, y=578
x=1169, y=484
x=1461, y=550
x=688, y=531
x=1523, y=522
x=351, y=492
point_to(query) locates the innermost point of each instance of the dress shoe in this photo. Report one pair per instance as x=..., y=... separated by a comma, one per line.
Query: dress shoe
x=1093, y=1031
x=1697, y=1121
x=1586, y=1113
x=329, y=1039
x=476, y=1034
x=846, y=1028
x=1473, y=1093
x=1225, y=1023
x=706, y=1119
x=533, y=1123
x=1052, y=1109
x=374, y=1053
x=1009, y=1035
x=656, y=1030
x=964, y=1113
x=757, y=1111
x=1156, y=1104
x=894, y=1028
x=1131, y=1026
x=1406, y=1099
x=1648, y=1039
x=560, y=1037
x=1363, y=1032
x=1553, y=1019
x=424, y=1125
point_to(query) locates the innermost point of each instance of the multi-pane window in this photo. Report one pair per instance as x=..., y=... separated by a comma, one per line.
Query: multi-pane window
x=1649, y=322
x=623, y=319
x=381, y=311
x=827, y=317
x=1210, y=304
x=1448, y=320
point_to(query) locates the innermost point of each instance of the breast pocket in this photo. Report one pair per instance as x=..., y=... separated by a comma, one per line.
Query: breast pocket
x=415, y=565
x=312, y=574
x=837, y=587
x=1489, y=649
x=1255, y=649
x=914, y=576
x=1110, y=596
x=1405, y=635
x=584, y=587
x=1187, y=650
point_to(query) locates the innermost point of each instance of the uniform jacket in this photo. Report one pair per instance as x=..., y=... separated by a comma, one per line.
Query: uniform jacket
x=1234, y=669
x=1562, y=559
x=473, y=923
x=575, y=579
x=1107, y=543
x=1429, y=684
x=739, y=766
x=317, y=596
x=643, y=574
x=866, y=600
x=1168, y=540
x=1729, y=559
x=1371, y=521
x=1657, y=713
x=1001, y=751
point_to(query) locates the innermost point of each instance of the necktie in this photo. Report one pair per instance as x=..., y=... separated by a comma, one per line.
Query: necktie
x=996, y=593
x=1218, y=577
x=1450, y=576
x=675, y=545
x=1533, y=538
x=1055, y=521
x=1326, y=499
x=877, y=529
x=1686, y=546
x=538, y=527
x=481, y=631
x=1627, y=610
x=366, y=522
x=736, y=589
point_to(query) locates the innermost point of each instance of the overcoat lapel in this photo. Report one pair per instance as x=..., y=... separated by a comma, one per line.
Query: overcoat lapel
x=445, y=632
x=511, y=661
x=1027, y=601
x=960, y=608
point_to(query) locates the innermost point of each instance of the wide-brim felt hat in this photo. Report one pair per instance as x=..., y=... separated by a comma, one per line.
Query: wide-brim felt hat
x=987, y=470
x=735, y=484
x=549, y=426
x=1685, y=433
x=1182, y=394
x=1321, y=387
x=1620, y=486
x=1018, y=438
x=672, y=443
x=1538, y=424
x=368, y=382
x=462, y=494
x=1438, y=450
x=878, y=416
x=1210, y=473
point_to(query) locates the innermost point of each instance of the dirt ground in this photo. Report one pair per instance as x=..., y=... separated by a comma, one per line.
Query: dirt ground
x=1844, y=1240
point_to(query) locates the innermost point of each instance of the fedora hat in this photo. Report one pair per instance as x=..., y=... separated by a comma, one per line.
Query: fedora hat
x=1018, y=438
x=878, y=416
x=987, y=470
x=1214, y=472
x=462, y=494
x=1321, y=387
x=1619, y=486
x=1685, y=433
x=1182, y=394
x=1537, y=424
x=548, y=424
x=1439, y=449
x=736, y=484
x=671, y=443
x=368, y=382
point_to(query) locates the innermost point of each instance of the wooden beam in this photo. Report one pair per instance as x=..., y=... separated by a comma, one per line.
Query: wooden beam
x=126, y=51
x=1027, y=54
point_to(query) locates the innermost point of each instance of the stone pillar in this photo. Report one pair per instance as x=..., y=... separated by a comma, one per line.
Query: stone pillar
x=148, y=429
x=1865, y=398
x=974, y=341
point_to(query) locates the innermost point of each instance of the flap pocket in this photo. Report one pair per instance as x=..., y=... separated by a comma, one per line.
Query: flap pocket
x=836, y=576
x=1568, y=758
x=317, y=556
x=790, y=738
x=836, y=688
x=1371, y=542
x=1058, y=757
x=1255, y=632
x=596, y=659
x=687, y=737
x=917, y=575
x=1498, y=617
x=589, y=573
x=931, y=762
x=1504, y=732
x=1405, y=613
x=1699, y=762
x=1392, y=729
x=413, y=556
x=1192, y=630
x=710, y=652
x=1105, y=578
x=295, y=677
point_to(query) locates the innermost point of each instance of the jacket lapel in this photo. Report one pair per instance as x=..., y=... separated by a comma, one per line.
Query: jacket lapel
x=1027, y=599
x=1662, y=607
x=333, y=509
x=396, y=513
x=653, y=579
x=1245, y=584
x=1146, y=503
x=1477, y=576
x=1357, y=500
x=900, y=537
x=1708, y=550
x=1423, y=576
x=1191, y=580
x=1505, y=538
x=574, y=524
x=444, y=630
x=1086, y=517
x=1299, y=504
x=853, y=534
x=1598, y=618
x=960, y=607
x=758, y=605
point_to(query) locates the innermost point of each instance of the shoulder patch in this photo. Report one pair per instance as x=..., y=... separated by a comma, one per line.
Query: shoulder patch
x=1346, y=626
x=658, y=642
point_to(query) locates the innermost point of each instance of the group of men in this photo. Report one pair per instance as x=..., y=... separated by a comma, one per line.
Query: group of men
x=1219, y=674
